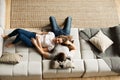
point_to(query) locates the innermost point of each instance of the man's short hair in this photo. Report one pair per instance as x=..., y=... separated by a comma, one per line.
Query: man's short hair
x=60, y=57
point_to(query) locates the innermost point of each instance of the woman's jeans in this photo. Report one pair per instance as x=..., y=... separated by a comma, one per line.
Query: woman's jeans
x=57, y=30
x=23, y=35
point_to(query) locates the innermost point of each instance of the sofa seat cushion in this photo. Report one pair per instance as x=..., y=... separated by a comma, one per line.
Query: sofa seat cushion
x=86, y=51
x=77, y=71
x=75, y=34
x=54, y=64
x=97, y=67
x=113, y=63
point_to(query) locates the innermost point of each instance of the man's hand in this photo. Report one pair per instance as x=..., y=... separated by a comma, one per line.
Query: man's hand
x=67, y=42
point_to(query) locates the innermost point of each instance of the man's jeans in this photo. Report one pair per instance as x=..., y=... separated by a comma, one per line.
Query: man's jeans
x=57, y=30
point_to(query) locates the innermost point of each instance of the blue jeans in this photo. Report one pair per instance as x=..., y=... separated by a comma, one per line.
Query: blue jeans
x=23, y=35
x=57, y=30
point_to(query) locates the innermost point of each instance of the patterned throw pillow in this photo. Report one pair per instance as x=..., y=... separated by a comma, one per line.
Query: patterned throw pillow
x=10, y=58
x=101, y=41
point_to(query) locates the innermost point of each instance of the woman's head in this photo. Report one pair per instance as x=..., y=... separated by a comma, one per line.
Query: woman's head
x=58, y=40
x=62, y=39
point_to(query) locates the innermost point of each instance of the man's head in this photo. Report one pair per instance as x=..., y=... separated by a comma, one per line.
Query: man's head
x=61, y=61
x=60, y=57
x=62, y=39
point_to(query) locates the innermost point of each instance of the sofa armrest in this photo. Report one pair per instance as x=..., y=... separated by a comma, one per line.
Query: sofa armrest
x=63, y=73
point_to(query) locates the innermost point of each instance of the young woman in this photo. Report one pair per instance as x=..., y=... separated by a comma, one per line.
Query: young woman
x=62, y=40
x=57, y=30
x=46, y=39
x=25, y=36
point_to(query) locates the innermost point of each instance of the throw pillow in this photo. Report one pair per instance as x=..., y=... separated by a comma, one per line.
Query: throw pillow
x=61, y=65
x=101, y=41
x=10, y=58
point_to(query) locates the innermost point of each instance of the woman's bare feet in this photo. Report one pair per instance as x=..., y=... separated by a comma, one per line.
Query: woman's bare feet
x=9, y=45
x=5, y=36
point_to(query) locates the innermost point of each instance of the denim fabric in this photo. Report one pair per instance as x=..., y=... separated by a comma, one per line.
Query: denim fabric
x=23, y=35
x=57, y=30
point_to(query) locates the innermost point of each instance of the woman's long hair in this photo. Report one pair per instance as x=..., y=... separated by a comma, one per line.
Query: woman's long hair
x=65, y=38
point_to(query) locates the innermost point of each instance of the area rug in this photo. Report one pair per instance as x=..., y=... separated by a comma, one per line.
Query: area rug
x=84, y=13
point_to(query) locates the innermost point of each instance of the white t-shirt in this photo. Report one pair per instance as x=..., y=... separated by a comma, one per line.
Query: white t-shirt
x=61, y=48
x=46, y=40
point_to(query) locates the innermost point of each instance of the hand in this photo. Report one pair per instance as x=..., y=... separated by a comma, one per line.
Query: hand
x=35, y=42
x=67, y=42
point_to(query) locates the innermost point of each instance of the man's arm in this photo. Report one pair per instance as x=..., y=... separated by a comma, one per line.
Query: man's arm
x=70, y=45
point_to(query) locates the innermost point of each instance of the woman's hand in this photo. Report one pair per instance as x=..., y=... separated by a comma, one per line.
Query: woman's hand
x=38, y=41
x=40, y=49
x=33, y=41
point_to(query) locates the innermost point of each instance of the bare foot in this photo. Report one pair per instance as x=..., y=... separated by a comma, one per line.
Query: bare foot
x=9, y=45
x=5, y=37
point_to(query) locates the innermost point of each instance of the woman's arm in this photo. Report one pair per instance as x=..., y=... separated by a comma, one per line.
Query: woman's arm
x=41, y=33
x=39, y=44
x=40, y=49
x=42, y=52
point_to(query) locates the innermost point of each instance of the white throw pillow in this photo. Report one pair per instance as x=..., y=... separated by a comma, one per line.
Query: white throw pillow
x=10, y=58
x=101, y=41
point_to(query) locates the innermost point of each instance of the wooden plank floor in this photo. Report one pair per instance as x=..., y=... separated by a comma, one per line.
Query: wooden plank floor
x=93, y=78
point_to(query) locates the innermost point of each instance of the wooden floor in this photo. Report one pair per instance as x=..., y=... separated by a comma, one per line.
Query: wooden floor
x=93, y=78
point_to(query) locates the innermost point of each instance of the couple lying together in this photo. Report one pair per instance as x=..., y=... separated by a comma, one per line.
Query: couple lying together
x=45, y=42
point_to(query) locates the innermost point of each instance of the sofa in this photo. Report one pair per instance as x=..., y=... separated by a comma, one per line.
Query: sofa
x=87, y=62
x=34, y=66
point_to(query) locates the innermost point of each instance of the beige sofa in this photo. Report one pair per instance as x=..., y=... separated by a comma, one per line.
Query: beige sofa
x=34, y=67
